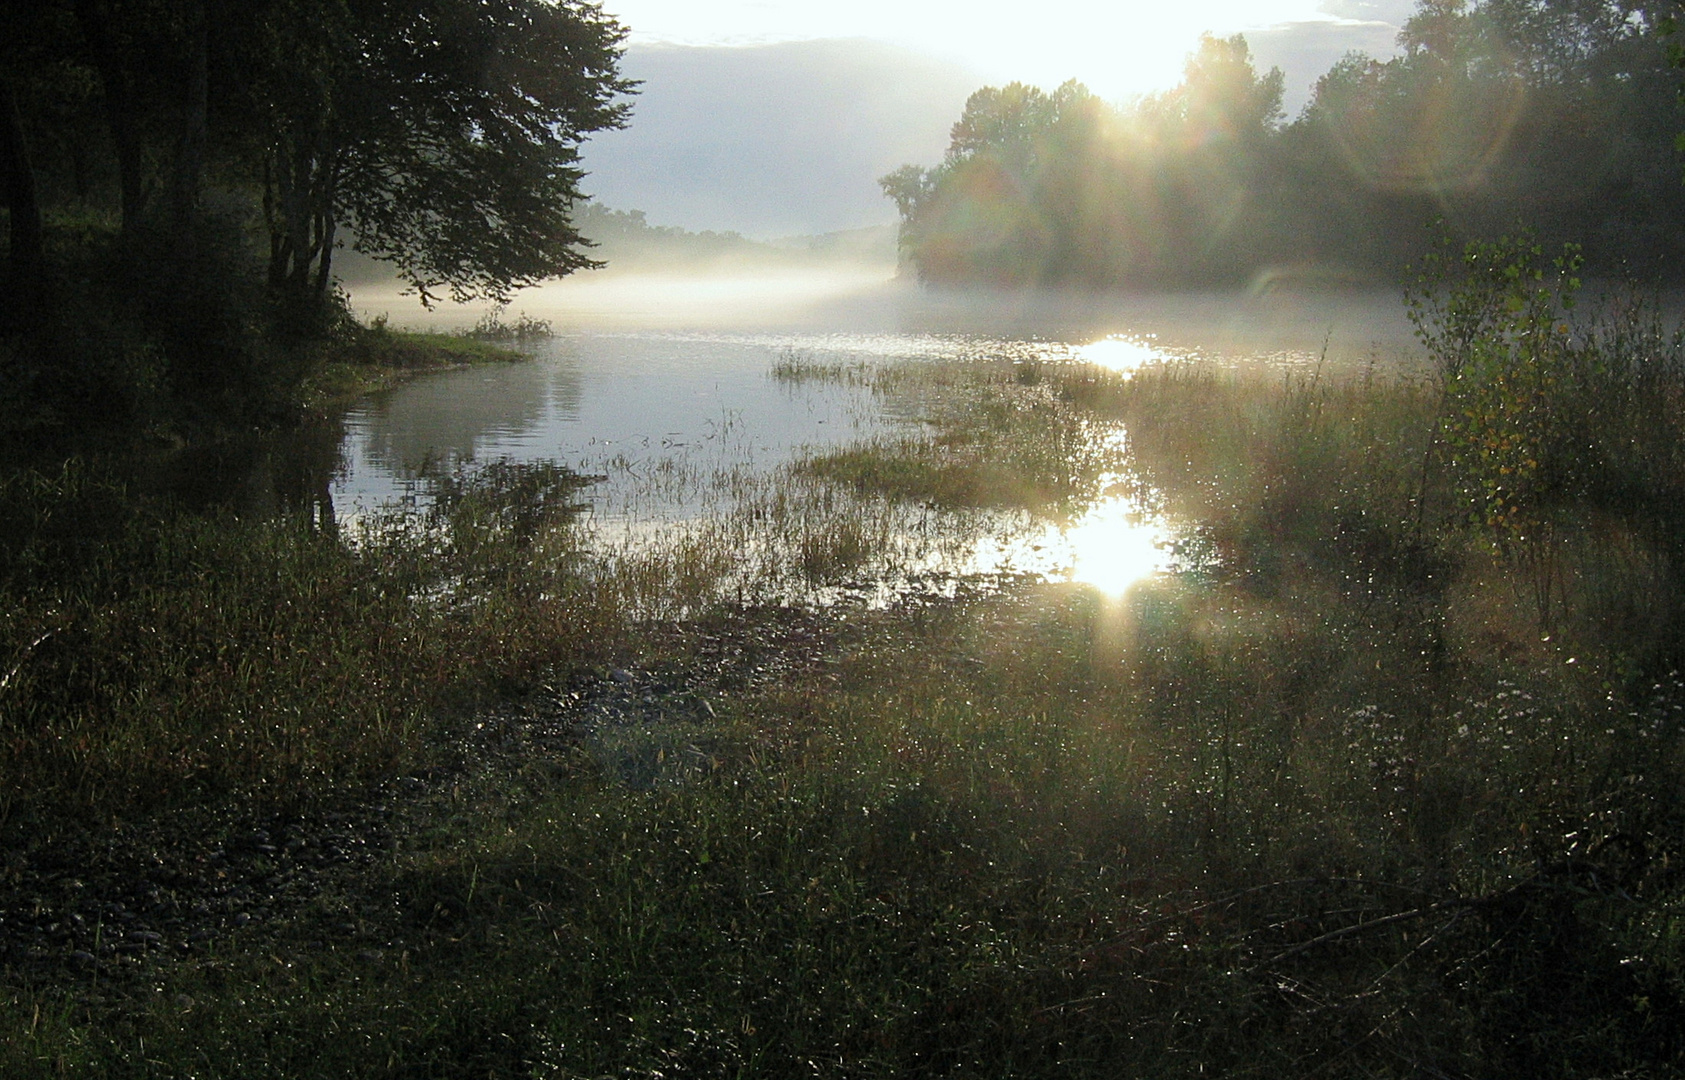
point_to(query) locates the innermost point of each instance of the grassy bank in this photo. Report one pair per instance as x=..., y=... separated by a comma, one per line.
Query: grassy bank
x=367, y=359
x=1390, y=787
x=974, y=843
x=154, y=655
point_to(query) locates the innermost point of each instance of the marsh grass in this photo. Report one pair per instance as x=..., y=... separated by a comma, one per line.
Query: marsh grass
x=152, y=655
x=1338, y=806
x=972, y=842
x=990, y=437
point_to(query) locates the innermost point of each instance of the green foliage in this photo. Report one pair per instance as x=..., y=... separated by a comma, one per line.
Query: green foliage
x=1546, y=415
x=466, y=183
x=1559, y=115
x=1495, y=327
x=176, y=147
x=150, y=331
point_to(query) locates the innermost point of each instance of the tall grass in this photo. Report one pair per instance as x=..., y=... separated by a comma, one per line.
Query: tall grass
x=152, y=655
x=972, y=844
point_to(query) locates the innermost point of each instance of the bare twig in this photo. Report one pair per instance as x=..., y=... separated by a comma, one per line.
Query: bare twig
x=1358, y=928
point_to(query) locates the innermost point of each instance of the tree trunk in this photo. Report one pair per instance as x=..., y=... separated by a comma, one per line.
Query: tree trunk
x=300, y=184
x=190, y=152
x=324, y=267
x=117, y=89
x=327, y=228
x=28, y=259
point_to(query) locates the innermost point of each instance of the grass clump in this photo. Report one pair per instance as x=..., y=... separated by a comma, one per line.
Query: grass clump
x=493, y=328
x=991, y=440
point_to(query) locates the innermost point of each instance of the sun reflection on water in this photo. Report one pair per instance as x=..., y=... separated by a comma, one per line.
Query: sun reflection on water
x=1114, y=546
x=1119, y=353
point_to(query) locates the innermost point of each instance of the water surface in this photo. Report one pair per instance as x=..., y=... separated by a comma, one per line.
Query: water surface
x=668, y=397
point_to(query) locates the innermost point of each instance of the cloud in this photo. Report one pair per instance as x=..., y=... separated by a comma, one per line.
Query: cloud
x=1386, y=11
x=1304, y=51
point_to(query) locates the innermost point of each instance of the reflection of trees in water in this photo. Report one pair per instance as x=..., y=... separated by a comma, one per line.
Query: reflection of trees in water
x=446, y=417
x=284, y=472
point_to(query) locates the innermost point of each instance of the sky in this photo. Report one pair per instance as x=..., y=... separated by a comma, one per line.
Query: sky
x=1117, y=48
x=776, y=117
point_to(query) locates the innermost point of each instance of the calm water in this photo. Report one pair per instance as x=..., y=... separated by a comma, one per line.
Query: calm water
x=682, y=418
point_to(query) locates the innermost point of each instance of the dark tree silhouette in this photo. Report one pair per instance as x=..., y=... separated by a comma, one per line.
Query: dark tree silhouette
x=1553, y=115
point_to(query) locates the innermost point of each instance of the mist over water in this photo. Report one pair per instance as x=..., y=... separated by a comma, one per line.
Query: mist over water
x=1280, y=319
x=665, y=388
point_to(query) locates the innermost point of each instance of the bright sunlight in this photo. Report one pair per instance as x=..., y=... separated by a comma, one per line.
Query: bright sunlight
x=1116, y=49
x=1113, y=547
x=1119, y=353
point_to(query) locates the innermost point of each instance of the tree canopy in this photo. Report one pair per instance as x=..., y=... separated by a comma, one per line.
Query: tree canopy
x=442, y=135
x=1555, y=115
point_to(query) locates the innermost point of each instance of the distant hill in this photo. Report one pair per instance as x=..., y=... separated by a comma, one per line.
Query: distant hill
x=628, y=243
x=775, y=140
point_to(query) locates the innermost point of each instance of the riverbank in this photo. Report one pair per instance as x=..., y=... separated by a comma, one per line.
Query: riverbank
x=373, y=358
x=1379, y=770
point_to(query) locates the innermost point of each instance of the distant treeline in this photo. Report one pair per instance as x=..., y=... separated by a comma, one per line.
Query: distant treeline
x=1554, y=116
x=627, y=236
x=624, y=239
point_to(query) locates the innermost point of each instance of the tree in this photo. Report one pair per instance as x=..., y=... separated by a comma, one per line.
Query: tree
x=443, y=133
x=27, y=68
x=27, y=258
x=1222, y=98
